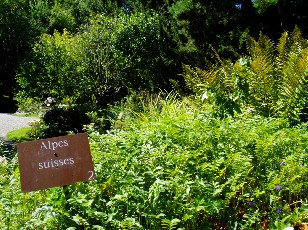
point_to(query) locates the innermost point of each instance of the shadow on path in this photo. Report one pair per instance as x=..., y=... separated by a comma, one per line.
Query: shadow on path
x=8, y=148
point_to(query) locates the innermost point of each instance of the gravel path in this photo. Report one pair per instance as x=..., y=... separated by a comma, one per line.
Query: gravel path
x=9, y=122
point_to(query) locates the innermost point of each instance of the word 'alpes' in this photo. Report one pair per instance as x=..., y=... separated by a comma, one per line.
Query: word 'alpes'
x=54, y=145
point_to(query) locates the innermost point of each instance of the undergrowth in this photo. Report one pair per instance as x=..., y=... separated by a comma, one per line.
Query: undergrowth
x=173, y=166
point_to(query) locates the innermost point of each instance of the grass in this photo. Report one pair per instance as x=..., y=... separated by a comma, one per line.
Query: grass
x=20, y=135
x=26, y=115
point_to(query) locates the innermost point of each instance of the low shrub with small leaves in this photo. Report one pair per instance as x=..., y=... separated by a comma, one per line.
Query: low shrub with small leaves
x=176, y=167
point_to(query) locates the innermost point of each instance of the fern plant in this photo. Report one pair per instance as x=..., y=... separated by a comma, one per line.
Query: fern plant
x=271, y=79
x=294, y=72
x=216, y=85
x=261, y=74
x=130, y=224
x=170, y=224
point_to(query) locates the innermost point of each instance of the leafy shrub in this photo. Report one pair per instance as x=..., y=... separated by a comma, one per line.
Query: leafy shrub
x=61, y=121
x=53, y=70
x=61, y=19
x=98, y=65
x=139, y=46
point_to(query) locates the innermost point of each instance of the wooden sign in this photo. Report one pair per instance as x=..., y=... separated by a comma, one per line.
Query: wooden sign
x=55, y=162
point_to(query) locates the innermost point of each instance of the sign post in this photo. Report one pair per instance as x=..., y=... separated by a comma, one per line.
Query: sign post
x=53, y=162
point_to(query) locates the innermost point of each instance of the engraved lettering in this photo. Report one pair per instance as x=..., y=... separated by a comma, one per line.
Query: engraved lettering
x=46, y=165
x=71, y=161
x=91, y=175
x=51, y=163
x=56, y=163
x=43, y=145
x=54, y=145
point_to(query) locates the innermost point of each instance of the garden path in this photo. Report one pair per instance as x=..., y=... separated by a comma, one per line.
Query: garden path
x=9, y=122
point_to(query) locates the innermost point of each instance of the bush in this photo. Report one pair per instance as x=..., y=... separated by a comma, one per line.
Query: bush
x=61, y=121
x=98, y=65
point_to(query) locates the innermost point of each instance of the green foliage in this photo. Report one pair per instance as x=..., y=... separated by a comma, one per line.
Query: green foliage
x=59, y=121
x=53, y=15
x=61, y=18
x=97, y=65
x=139, y=47
x=20, y=135
x=175, y=167
x=272, y=80
x=23, y=21
x=51, y=69
x=170, y=224
x=197, y=25
x=262, y=5
x=16, y=35
x=145, y=5
x=164, y=164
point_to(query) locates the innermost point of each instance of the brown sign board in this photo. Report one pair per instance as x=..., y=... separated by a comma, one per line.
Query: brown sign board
x=55, y=162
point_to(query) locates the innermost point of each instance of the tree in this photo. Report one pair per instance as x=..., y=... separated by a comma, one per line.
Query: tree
x=23, y=21
x=277, y=16
x=16, y=36
x=200, y=25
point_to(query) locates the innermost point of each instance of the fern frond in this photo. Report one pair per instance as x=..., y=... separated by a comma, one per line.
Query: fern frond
x=170, y=224
x=262, y=82
x=294, y=95
x=261, y=66
x=302, y=64
x=296, y=36
x=282, y=44
x=130, y=224
x=263, y=47
x=191, y=78
x=217, y=56
x=252, y=47
x=268, y=48
x=282, y=48
x=219, y=81
x=208, y=77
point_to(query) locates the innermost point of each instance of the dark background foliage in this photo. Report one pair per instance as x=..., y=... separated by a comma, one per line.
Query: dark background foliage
x=189, y=31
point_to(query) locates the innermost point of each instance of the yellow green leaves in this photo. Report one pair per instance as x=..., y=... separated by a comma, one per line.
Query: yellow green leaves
x=272, y=79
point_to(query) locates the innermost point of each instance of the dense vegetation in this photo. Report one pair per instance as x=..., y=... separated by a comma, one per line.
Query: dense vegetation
x=131, y=45
x=175, y=166
x=196, y=111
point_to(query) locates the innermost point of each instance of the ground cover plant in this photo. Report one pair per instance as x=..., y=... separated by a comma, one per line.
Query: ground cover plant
x=174, y=166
